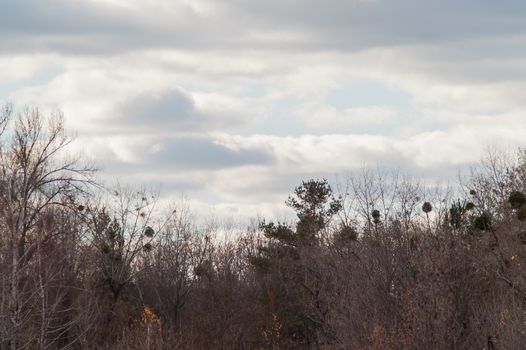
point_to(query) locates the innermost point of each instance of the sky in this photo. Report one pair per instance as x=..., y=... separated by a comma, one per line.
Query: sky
x=234, y=103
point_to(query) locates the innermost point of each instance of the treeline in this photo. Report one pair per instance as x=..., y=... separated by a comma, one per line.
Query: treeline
x=379, y=262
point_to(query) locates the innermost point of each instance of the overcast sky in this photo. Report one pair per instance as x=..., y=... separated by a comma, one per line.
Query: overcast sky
x=235, y=102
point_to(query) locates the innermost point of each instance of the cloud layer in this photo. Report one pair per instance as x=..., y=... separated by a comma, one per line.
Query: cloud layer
x=236, y=102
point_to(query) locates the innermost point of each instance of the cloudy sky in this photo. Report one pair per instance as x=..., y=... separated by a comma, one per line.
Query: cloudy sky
x=234, y=102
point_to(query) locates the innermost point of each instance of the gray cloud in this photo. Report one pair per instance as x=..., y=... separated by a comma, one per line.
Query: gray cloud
x=362, y=23
x=89, y=27
x=172, y=111
x=158, y=111
x=183, y=154
x=73, y=27
x=204, y=154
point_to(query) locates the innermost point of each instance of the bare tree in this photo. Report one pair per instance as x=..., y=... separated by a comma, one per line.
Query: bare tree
x=36, y=177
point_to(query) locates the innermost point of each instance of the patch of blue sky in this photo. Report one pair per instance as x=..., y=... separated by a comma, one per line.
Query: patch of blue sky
x=282, y=118
x=364, y=93
x=7, y=88
x=279, y=120
x=368, y=92
x=242, y=87
x=255, y=90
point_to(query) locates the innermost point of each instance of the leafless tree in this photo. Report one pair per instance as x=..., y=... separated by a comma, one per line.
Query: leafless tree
x=37, y=177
